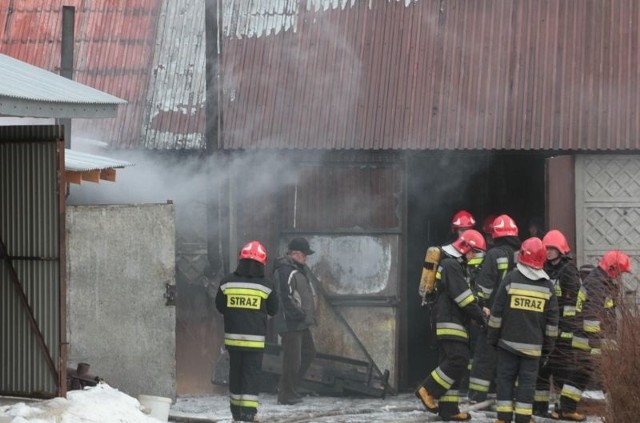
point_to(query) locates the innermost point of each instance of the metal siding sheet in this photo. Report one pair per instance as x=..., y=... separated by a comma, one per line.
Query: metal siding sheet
x=24, y=81
x=176, y=118
x=484, y=75
x=29, y=183
x=82, y=162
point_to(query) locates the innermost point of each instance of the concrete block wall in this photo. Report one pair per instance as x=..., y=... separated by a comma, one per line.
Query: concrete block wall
x=119, y=260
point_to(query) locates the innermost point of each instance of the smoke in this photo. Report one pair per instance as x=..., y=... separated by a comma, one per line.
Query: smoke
x=181, y=177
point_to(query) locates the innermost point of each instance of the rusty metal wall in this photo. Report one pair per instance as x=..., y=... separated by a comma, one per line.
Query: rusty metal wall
x=560, y=196
x=29, y=228
x=433, y=74
x=199, y=327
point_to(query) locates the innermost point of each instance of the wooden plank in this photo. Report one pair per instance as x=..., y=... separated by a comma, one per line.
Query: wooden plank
x=108, y=175
x=91, y=176
x=73, y=177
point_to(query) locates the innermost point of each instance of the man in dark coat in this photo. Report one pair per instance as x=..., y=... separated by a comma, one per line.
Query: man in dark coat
x=296, y=317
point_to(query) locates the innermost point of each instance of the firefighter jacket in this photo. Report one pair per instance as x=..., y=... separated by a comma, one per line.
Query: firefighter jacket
x=566, y=282
x=456, y=305
x=297, y=295
x=499, y=261
x=473, y=269
x=524, y=317
x=596, y=312
x=245, y=303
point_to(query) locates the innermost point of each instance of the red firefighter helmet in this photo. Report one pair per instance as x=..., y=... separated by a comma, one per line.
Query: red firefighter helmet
x=468, y=240
x=532, y=253
x=504, y=226
x=614, y=263
x=462, y=220
x=487, y=224
x=254, y=251
x=554, y=238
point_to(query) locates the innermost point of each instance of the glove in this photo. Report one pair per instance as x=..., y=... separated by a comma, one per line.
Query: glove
x=484, y=324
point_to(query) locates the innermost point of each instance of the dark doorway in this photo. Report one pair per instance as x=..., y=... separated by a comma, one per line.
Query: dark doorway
x=440, y=184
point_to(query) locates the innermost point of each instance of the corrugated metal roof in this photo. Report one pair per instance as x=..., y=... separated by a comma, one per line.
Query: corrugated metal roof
x=76, y=161
x=438, y=75
x=354, y=74
x=115, y=43
x=175, y=118
x=27, y=90
x=257, y=18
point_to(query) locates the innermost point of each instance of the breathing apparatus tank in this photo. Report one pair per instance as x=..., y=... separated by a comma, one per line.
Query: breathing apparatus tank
x=428, y=277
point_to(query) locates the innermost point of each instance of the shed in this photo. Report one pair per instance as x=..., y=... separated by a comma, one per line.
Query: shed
x=32, y=200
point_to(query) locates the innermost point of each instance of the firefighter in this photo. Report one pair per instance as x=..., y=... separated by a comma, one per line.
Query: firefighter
x=487, y=229
x=565, y=278
x=456, y=306
x=595, y=328
x=245, y=298
x=523, y=327
x=473, y=270
x=462, y=221
x=499, y=260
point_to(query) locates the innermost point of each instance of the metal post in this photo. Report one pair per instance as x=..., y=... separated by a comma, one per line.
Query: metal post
x=66, y=61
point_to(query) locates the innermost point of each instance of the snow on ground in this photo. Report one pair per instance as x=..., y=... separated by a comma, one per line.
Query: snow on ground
x=101, y=403
x=402, y=408
x=105, y=404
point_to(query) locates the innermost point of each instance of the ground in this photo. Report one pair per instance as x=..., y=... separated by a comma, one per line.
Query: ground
x=105, y=404
x=402, y=408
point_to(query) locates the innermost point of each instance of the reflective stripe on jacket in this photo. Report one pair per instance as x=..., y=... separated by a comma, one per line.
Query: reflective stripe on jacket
x=245, y=303
x=566, y=280
x=456, y=304
x=499, y=261
x=596, y=312
x=524, y=316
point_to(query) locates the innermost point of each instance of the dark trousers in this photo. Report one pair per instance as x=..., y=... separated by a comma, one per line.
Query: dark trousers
x=511, y=368
x=443, y=382
x=483, y=370
x=559, y=368
x=298, y=351
x=574, y=386
x=474, y=332
x=245, y=371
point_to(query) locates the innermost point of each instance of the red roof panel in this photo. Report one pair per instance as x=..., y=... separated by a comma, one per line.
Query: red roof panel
x=114, y=43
